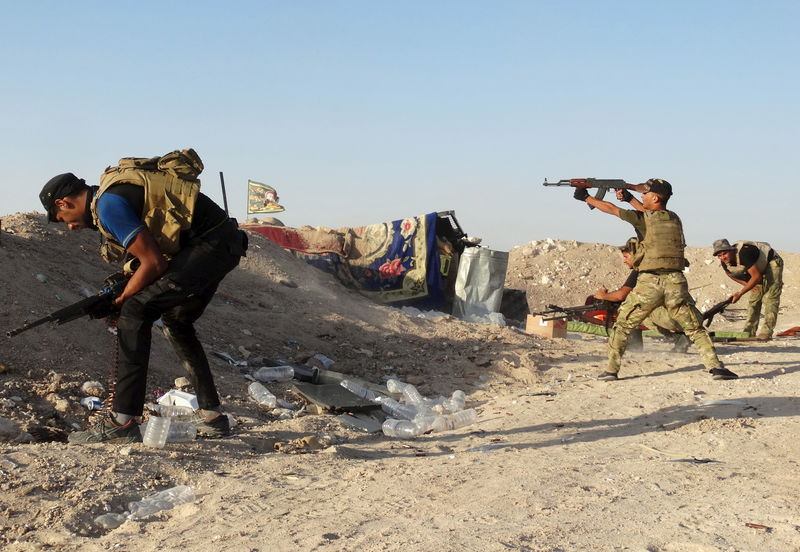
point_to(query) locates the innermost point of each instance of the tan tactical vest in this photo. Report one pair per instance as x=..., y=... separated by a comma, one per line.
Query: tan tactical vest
x=763, y=253
x=170, y=190
x=663, y=244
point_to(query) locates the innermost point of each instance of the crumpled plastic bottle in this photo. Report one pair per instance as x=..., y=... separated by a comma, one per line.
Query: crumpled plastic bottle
x=261, y=395
x=162, y=500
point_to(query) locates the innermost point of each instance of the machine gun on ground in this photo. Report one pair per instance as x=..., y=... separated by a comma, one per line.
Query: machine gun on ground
x=100, y=305
x=594, y=311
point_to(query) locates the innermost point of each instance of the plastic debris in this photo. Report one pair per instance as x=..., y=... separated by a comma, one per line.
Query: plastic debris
x=180, y=398
x=163, y=500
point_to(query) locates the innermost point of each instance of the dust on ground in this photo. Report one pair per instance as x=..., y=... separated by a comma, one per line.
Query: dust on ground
x=665, y=459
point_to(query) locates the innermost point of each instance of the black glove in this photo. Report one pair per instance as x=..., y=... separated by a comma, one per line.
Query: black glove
x=625, y=195
x=580, y=194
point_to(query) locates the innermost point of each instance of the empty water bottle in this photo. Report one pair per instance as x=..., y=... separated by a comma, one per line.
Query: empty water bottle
x=274, y=373
x=396, y=409
x=261, y=395
x=163, y=500
x=404, y=429
x=456, y=401
x=361, y=391
x=447, y=421
x=412, y=396
x=181, y=432
x=157, y=431
x=170, y=410
x=395, y=386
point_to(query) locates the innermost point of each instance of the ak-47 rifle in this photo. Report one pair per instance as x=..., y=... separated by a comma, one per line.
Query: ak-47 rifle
x=601, y=185
x=100, y=305
x=709, y=315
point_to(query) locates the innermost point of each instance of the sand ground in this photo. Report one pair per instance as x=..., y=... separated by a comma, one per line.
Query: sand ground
x=558, y=461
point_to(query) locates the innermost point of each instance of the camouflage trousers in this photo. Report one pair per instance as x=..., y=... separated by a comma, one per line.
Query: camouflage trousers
x=660, y=321
x=660, y=290
x=767, y=295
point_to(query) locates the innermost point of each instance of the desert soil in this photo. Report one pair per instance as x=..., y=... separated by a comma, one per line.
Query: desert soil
x=557, y=461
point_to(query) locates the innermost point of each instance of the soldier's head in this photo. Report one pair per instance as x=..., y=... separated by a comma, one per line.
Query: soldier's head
x=657, y=195
x=64, y=198
x=628, y=251
x=724, y=251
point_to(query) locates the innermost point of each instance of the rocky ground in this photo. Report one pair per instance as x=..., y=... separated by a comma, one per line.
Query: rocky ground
x=665, y=459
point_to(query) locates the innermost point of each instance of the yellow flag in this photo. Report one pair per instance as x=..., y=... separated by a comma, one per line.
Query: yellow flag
x=262, y=199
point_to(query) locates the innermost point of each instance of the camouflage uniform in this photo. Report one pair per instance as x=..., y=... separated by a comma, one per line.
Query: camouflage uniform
x=768, y=295
x=661, y=283
x=671, y=291
x=660, y=321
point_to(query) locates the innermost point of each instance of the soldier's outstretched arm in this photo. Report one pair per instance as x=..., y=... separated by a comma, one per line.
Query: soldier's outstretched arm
x=604, y=206
x=625, y=195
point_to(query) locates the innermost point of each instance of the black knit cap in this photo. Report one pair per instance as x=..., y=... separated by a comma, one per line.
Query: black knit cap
x=660, y=187
x=59, y=187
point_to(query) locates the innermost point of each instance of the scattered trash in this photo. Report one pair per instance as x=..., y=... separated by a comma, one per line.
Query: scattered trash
x=3, y=369
x=182, y=383
x=261, y=395
x=724, y=401
x=361, y=422
x=169, y=410
x=274, y=373
x=41, y=277
x=180, y=398
x=92, y=403
x=418, y=414
x=416, y=313
x=163, y=500
x=321, y=361
x=161, y=430
x=110, y=520
x=229, y=359
x=283, y=413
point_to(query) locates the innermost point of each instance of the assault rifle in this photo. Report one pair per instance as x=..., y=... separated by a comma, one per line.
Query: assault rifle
x=97, y=306
x=709, y=315
x=601, y=185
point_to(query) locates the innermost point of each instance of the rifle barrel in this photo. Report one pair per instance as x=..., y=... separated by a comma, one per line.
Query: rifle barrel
x=29, y=325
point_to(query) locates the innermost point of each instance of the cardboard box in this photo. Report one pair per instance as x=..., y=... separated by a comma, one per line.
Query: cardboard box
x=535, y=325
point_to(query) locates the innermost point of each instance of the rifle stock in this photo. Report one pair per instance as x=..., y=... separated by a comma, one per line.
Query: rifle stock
x=709, y=315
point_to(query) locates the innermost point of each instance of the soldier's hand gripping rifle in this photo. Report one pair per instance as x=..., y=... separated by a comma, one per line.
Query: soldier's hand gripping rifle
x=709, y=315
x=601, y=185
x=100, y=305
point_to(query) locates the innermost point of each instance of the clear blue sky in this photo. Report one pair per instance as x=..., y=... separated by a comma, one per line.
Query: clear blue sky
x=365, y=111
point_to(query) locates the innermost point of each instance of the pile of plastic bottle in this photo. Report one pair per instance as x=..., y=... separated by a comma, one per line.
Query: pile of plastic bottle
x=414, y=414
